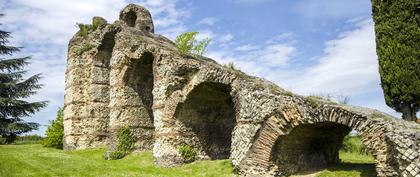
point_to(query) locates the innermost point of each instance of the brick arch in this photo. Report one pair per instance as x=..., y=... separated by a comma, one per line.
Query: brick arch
x=270, y=155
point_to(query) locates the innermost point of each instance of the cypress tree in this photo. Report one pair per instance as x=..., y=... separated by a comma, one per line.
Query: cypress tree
x=13, y=90
x=397, y=28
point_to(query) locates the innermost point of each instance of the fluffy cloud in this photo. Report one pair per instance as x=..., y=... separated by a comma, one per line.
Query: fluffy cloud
x=257, y=59
x=208, y=21
x=349, y=65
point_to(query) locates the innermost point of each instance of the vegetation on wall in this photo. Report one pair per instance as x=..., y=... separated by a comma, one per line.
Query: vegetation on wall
x=14, y=89
x=188, y=44
x=188, y=153
x=397, y=27
x=125, y=144
x=55, y=132
x=85, y=29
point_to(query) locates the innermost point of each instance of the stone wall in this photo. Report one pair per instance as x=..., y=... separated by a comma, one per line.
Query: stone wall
x=130, y=76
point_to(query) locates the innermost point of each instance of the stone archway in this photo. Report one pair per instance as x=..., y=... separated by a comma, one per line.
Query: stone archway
x=209, y=118
x=288, y=142
x=132, y=99
x=309, y=146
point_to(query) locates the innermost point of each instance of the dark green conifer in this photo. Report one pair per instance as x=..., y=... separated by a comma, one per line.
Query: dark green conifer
x=14, y=89
x=397, y=27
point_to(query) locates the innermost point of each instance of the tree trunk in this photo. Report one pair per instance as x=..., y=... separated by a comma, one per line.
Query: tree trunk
x=10, y=138
x=408, y=113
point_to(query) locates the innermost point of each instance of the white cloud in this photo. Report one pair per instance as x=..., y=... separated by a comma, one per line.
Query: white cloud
x=205, y=34
x=258, y=60
x=208, y=21
x=226, y=38
x=246, y=47
x=348, y=66
x=285, y=37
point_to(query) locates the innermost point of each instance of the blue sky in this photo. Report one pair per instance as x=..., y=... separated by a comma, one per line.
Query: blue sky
x=311, y=47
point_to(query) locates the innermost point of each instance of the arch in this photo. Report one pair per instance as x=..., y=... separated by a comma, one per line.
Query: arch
x=288, y=142
x=105, y=49
x=132, y=100
x=139, y=77
x=309, y=146
x=130, y=18
x=209, y=118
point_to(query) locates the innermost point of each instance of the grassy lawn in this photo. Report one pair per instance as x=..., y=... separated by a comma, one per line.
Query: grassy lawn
x=353, y=165
x=34, y=160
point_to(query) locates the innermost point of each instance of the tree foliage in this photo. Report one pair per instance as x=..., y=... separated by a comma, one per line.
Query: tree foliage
x=55, y=132
x=188, y=44
x=397, y=27
x=13, y=90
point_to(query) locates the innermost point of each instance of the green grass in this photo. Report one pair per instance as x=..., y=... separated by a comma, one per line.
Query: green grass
x=35, y=160
x=352, y=165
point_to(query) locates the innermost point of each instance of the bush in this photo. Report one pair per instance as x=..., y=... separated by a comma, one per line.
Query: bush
x=3, y=140
x=187, y=44
x=353, y=144
x=55, y=132
x=28, y=139
x=125, y=144
x=188, y=153
x=114, y=155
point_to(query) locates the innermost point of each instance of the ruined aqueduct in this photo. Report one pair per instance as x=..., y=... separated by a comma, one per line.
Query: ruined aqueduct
x=123, y=74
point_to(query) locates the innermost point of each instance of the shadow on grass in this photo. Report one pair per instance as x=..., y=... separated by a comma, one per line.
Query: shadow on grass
x=365, y=169
x=343, y=169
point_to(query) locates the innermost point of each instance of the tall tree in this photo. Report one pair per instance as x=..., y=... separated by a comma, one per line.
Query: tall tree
x=397, y=27
x=13, y=90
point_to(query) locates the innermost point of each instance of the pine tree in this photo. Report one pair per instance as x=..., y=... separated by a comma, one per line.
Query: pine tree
x=397, y=27
x=13, y=90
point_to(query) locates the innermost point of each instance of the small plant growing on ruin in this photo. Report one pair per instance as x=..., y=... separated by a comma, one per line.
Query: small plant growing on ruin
x=313, y=101
x=83, y=48
x=230, y=65
x=288, y=93
x=55, y=132
x=188, y=44
x=85, y=29
x=125, y=144
x=188, y=153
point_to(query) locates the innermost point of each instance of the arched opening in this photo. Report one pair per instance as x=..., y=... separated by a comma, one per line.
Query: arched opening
x=105, y=50
x=130, y=18
x=208, y=114
x=140, y=79
x=311, y=148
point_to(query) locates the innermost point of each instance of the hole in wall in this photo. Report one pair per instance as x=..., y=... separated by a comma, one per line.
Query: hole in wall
x=130, y=18
x=141, y=80
x=105, y=50
x=208, y=113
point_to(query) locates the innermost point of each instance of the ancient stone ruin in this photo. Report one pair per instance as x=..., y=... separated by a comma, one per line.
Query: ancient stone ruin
x=122, y=74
